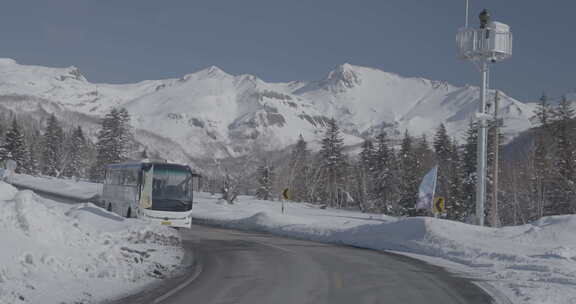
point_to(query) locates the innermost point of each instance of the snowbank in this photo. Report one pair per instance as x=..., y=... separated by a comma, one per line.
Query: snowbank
x=60, y=253
x=534, y=263
x=80, y=190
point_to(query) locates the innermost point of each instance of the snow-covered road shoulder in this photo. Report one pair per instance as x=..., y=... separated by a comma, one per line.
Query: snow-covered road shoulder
x=80, y=190
x=60, y=253
x=533, y=263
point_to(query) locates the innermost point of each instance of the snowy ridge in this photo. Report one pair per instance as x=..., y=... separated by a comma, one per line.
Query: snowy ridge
x=210, y=113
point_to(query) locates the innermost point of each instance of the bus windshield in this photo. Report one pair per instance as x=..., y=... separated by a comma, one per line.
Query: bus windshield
x=171, y=188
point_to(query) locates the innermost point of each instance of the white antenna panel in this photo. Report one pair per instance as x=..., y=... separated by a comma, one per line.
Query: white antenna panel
x=493, y=42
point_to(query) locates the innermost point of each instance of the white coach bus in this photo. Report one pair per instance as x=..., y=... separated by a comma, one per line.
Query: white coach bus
x=152, y=190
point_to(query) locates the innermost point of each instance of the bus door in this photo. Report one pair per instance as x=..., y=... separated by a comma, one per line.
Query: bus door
x=146, y=189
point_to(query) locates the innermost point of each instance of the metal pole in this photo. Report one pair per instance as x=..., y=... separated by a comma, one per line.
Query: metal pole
x=481, y=174
x=466, y=14
x=495, y=216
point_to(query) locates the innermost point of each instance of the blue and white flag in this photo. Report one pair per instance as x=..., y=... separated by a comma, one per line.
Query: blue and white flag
x=426, y=190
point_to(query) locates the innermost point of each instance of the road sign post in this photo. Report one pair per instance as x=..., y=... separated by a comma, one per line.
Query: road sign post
x=439, y=206
x=285, y=197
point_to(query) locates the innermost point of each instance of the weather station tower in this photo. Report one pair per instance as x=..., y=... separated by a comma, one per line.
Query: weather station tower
x=491, y=42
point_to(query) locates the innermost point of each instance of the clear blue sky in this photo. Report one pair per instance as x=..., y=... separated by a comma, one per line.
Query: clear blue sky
x=120, y=41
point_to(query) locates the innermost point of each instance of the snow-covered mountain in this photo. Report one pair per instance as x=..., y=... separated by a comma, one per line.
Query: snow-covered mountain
x=210, y=113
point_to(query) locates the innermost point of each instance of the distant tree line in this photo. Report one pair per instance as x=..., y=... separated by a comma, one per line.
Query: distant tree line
x=50, y=149
x=384, y=177
x=541, y=179
x=538, y=180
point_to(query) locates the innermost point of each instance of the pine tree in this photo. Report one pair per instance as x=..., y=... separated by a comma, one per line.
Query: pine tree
x=409, y=166
x=367, y=155
x=542, y=112
x=265, y=181
x=563, y=131
x=455, y=205
x=385, y=175
x=76, y=165
x=124, y=133
x=15, y=147
x=332, y=166
x=424, y=155
x=443, y=147
x=366, y=177
x=52, y=152
x=34, y=144
x=3, y=152
x=468, y=167
x=299, y=171
x=113, y=141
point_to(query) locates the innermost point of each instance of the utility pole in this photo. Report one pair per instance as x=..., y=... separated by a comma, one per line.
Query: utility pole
x=495, y=217
x=482, y=145
x=491, y=42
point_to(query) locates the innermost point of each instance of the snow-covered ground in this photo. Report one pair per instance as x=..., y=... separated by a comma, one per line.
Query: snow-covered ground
x=78, y=190
x=60, y=253
x=534, y=263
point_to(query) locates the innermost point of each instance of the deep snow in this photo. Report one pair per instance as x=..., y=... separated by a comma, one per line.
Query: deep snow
x=61, y=253
x=533, y=263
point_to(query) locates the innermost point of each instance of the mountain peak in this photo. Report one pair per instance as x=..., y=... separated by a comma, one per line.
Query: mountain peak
x=7, y=61
x=206, y=73
x=213, y=71
x=345, y=75
x=74, y=73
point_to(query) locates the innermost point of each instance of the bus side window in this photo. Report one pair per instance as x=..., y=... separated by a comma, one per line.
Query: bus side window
x=130, y=177
x=124, y=177
x=116, y=177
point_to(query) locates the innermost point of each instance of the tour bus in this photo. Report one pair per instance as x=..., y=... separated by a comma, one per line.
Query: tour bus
x=157, y=191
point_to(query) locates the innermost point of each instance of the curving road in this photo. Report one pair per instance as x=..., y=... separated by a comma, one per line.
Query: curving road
x=242, y=267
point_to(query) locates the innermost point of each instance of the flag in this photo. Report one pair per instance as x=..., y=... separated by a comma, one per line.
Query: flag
x=426, y=190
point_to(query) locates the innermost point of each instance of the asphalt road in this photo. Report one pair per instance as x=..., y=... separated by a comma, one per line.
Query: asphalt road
x=243, y=267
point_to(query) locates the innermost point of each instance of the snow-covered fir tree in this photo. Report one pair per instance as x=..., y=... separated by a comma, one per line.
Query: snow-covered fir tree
x=367, y=155
x=563, y=189
x=77, y=154
x=468, y=167
x=113, y=141
x=543, y=112
x=385, y=175
x=124, y=133
x=52, y=151
x=562, y=121
x=455, y=206
x=2, y=143
x=265, y=181
x=34, y=155
x=409, y=167
x=364, y=174
x=15, y=147
x=299, y=171
x=442, y=148
x=332, y=166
